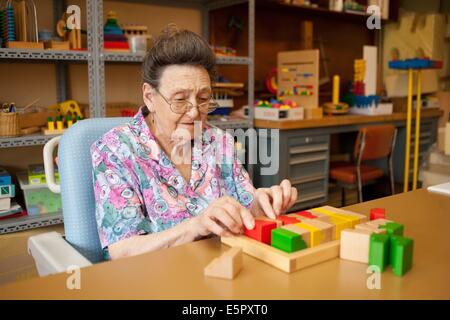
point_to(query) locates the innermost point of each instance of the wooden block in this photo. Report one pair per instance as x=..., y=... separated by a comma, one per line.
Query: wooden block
x=328, y=230
x=353, y=217
x=262, y=231
x=278, y=222
x=316, y=234
x=227, y=266
x=24, y=45
x=304, y=233
x=447, y=139
x=401, y=254
x=379, y=250
x=47, y=132
x=393, y=228
x=338, y=221
x=369, y=227
x=377, y=213
x=378, y=222
x=287, y=240
x=304, y=214
x=287, y=262
x=362, y=217
x=30, y=130
x=355, y=245
x=287, y=220
x=57, y=45
x=313, y=113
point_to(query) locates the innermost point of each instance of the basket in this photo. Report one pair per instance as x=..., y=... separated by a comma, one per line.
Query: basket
x=9, y=124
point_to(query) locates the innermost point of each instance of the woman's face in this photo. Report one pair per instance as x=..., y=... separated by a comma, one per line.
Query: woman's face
x=178, y=82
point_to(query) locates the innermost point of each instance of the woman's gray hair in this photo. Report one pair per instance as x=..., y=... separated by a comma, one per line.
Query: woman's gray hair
x=177, y=47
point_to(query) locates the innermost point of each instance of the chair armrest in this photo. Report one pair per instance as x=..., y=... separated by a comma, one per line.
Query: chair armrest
x=52, y=254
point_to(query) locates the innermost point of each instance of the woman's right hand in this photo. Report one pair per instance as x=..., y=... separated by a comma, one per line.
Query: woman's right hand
x=224, y=217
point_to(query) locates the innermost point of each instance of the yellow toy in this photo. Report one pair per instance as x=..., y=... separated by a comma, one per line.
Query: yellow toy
x=68, y=108
x=335, y=106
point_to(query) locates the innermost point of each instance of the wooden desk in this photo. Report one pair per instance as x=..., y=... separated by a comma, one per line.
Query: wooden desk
x=343, y=120
x=304, y=149
x=177, y=273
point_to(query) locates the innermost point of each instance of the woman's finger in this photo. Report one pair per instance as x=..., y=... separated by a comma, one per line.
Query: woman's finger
x=215, y=228
x=276, y=193
x=245, y=216
x=222, y=215
x=264, y=202
x=287, y=192
x=234, y=213
x=294, y=196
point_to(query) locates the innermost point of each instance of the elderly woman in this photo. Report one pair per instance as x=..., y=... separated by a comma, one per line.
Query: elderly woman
x=159, y=182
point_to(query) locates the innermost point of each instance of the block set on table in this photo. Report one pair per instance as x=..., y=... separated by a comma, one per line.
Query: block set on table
x=379, y=242
x=304, y=229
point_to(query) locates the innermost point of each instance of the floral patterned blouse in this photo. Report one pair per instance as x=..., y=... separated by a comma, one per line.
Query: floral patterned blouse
x=138, y=190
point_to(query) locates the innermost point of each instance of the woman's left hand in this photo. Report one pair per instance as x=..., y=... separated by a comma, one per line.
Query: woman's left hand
x=272, y=201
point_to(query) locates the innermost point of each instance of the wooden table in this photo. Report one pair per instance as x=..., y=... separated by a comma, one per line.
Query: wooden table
x=177, y=273
x=342, y=120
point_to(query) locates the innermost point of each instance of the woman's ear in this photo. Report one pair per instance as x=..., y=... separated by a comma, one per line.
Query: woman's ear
x=147, y=96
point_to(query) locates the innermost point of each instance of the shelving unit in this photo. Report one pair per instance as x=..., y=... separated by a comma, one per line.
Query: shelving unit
x=96, y=58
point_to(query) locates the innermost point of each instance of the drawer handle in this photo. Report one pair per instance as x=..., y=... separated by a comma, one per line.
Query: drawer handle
x=307, y=159
x=307, y=179
x=320, y=147
x=310, y=197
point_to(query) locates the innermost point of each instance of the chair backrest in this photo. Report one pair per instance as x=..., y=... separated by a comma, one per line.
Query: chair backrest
x=77, y=192
x=375, y=142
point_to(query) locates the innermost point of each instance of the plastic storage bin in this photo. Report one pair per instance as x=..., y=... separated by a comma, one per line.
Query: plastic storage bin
x=38, y=197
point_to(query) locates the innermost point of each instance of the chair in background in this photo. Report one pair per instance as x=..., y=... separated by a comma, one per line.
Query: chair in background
x=372, y=143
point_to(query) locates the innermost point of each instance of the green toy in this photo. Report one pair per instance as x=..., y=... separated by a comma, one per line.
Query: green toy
x=287, y=241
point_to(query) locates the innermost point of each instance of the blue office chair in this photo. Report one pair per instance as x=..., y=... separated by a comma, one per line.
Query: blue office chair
x=77, y=195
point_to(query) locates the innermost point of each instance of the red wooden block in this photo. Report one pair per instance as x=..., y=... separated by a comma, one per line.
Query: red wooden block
x=288, y=220
x=306, y=214
x=377, y=213
x=262, y=231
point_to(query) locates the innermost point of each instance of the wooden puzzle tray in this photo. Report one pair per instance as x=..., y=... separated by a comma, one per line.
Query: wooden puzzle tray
x=287, y=262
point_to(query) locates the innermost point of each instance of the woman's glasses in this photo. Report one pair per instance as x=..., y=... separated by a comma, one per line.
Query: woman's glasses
x=183, y=106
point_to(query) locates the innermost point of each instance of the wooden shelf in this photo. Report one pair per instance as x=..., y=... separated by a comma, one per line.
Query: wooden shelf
x=312, y=11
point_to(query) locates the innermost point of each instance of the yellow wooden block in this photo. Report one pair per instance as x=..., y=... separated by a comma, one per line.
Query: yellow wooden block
x=316, y=234
x=339, y=223
x=352, y=219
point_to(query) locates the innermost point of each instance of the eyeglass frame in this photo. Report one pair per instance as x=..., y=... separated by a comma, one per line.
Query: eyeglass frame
x=210, y=110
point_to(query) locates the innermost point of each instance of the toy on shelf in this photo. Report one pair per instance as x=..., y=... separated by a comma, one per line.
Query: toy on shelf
x=36, y=174
x=59, y=125
x=335, y=107
x=222, y=51
x=298, y=80
x=227, y=266
x=137, y=36
x=417, y=64
x=278, y=110
x=20, y=25
x=115, y=40
x=72, y=36
x=68, y=108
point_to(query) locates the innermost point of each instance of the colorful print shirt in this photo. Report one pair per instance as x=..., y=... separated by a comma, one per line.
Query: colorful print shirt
x=138, y=190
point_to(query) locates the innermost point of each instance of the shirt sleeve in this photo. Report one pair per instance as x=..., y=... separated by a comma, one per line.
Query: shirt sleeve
x=236, y=178
x=119, y=210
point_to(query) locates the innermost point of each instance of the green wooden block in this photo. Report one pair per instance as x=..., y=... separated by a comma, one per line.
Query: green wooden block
x=287, y=241
x=393, y=228
x=401, y=256
x=379, y=250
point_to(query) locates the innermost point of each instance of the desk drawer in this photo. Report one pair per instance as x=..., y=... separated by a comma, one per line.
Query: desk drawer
x=307, y=140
